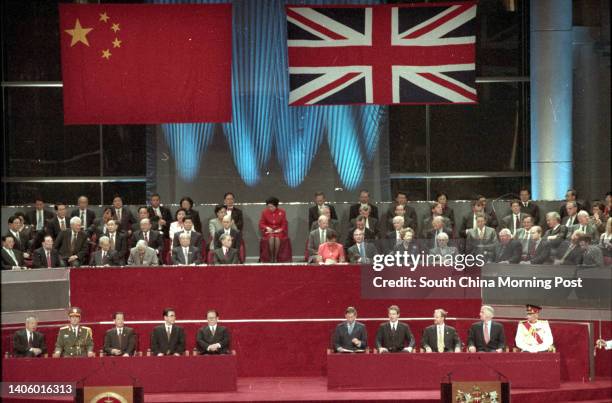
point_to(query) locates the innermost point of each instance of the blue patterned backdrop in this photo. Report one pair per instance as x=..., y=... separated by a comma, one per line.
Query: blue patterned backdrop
x=263, y=125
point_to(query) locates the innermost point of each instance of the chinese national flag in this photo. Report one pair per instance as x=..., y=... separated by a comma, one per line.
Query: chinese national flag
x=144, y=64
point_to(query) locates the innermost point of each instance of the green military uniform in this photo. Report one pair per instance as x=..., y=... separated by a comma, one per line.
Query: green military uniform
x=74, y=341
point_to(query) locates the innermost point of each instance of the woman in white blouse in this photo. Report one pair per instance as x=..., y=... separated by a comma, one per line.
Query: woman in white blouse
x=177, y=225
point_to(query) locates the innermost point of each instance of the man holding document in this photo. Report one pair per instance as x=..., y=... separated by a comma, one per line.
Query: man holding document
x=350, y=336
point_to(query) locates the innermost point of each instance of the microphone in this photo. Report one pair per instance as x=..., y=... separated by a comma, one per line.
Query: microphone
x=499, y=374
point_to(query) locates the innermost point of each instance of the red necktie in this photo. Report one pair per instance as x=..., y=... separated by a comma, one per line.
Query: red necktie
x=49, y=264
x=486, y=333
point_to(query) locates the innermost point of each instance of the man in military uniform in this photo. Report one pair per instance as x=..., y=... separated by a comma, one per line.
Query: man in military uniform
x=74, y=340
x=534, y=335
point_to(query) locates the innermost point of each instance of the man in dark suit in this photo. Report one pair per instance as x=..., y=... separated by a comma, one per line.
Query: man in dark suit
x=569, y=219
x=226, y=254
x=539, y=250
x=350, y=336
x=38, y=216
x=394, y=336
x=72, y=244
x=401, y=198
x=370, y=222
x=364, y=200
x=28, y=342
x=46, y=256
x=430, y=235
x=117, y=240
x=14, y=230
x=196, y=237
x=58, y=223
x=86, y=215
x=120, y=340
x=161, y=217
x=315, y=211
x=528, y=206
x=153, y=238
x=571, y=196
x=125, y=218
x=368, y=234
x=361, y=251
x=228, y=230
x=514, y=220
x=212, y=338
x=168, y=339
x=440, y=337
x=556, y=233
x=233, y=211
x=569, y=252
x=508, y=250
x=592, y=255
x=486, y=335
x=482, y=239
x=469, y=221
x=184, y=254
x=12, y=259
x=105, y=256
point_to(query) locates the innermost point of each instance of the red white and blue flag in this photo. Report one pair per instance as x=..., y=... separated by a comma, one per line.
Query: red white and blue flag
x=420, y=53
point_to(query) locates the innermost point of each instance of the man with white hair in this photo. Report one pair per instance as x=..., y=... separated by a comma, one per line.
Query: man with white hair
x=556, y=232
x=185, y=254
x=361, y=251
x=371, y=223
x=105, y=256
x=228, y=228
x=437, y=227
x=154, y=239
x=317, y=237
x=508, y=250
x=481, y=240
x=332, y=223
x=584, y=225
x=486, y=335
x=72, y=244
x=443, y=249
x=28, y=342
x=142, y=255
x=394, y=237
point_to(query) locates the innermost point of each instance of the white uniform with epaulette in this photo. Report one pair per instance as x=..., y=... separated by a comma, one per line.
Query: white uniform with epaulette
x=534, y=337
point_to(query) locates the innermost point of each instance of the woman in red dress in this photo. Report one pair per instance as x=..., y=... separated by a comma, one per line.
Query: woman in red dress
x=331, y=251
x=273, y=226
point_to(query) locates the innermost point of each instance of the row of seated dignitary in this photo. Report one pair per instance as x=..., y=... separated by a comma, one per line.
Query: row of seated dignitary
x=76, y=340
x=532, y=335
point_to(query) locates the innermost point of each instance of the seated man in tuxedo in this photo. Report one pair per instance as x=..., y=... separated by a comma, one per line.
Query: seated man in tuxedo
x=361, y=251
x=364, y=200
x=160, y=216
x=315, y=211
x=86, y=215
x=120, y=340
x=12, y=259
x=539, y=250
x=154, y=239
x=317, y=237
x=226, y=254
x=508, y=250
x=194, y=236
x=105, y=256
x=212, y=338
x=394, y=336
x=350, y=336
x=142, y=255
x=184, y=254
x=486, y=335
x=72, y=244
x=370, y=222
x=46, y=256
x=227, y=229
x=28, y=342
x=168, y=338
x=440, y=337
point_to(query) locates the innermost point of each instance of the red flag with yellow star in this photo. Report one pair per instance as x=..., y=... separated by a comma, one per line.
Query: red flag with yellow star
x=146, y=64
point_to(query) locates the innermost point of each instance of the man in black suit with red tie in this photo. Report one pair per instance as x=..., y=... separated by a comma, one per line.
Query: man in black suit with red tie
x=168, y=339
x=440, y=337
x=120, y=340
x=46, y=256
x=394, y=336
x=486, y=335
x=28, y=342
x=212, y=338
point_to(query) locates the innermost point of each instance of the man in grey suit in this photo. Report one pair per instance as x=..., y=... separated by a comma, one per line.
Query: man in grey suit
x=361, y=252
x=482, y=239
x=350, y=336
x=318, y=237
x=584, y=225
x=185, y=254
x=142, y=255
x=72, y=244
x=105, y=256
x=593, y=256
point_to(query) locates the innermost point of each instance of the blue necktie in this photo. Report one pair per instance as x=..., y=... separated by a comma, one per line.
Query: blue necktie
x=350, y=329
x=361, y=250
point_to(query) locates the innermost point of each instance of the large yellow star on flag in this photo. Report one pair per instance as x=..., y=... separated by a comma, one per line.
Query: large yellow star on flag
x=78, y=33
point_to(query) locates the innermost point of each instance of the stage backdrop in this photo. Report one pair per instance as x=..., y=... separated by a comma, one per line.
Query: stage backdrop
x=269, y=147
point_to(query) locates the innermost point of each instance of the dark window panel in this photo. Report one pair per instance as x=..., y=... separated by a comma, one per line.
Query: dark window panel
x=416, y=188
x=124, y=149
x=133, y=193
x=23, y=193
x=407, y=138
x=468, y=189
x=38, y=143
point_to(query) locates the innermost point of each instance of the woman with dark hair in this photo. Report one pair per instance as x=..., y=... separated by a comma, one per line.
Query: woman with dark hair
x=273, y=226
x=447, y=212
x=216, y=224
x=186, y=203
x=177, y=225
x=98, y=226
x=331, y=252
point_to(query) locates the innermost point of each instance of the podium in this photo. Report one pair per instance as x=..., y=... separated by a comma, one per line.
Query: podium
x=478, y=391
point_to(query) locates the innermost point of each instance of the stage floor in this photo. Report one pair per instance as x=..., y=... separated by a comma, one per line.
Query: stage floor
x=314, y=389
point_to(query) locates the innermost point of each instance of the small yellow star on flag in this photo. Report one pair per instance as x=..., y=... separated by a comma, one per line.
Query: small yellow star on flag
x=115, y=28
x=104, y=17
x=117, y=43
x=106, y=54
x=78, y=33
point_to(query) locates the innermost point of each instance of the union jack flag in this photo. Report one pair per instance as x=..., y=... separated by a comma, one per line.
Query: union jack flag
x=420, y=53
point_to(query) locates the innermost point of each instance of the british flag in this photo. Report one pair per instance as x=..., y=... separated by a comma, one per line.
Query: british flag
x=421, y=53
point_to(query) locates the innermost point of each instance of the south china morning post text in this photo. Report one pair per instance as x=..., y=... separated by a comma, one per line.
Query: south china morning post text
x=418, y=276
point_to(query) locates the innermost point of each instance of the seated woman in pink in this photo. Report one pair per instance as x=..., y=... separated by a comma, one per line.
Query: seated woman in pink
x=331, y=252
x=273, y=226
